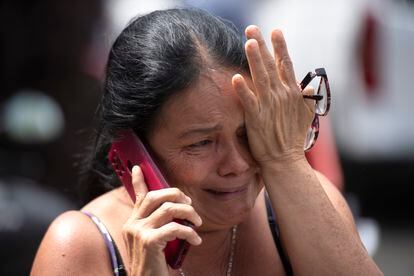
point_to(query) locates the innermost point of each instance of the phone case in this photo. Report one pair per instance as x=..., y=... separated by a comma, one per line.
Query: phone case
x=128, y=151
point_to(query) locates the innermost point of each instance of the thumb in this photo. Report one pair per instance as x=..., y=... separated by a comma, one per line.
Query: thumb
x=138, y=183
x=309, y=90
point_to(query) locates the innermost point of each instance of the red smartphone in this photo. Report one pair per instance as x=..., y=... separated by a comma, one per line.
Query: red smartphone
x=128, y=151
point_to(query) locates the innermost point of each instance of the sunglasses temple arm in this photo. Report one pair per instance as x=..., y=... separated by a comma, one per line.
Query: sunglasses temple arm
x=313, y=97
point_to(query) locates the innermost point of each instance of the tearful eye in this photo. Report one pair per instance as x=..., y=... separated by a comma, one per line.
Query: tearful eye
x=200, y=144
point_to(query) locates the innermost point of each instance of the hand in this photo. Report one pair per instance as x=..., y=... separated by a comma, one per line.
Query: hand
x=151, y=226
x=276, y=115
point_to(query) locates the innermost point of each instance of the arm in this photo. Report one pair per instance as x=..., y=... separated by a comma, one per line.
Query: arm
x=72, y=246
x=316, y=228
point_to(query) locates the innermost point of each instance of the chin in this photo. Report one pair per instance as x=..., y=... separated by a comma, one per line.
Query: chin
x=221, y=209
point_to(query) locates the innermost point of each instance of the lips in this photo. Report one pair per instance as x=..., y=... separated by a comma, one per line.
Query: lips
x=226, y=193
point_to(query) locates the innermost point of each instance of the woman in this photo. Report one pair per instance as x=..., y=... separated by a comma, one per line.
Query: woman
x=224, y=124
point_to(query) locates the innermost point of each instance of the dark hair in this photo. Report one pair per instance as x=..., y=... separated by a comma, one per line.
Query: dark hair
x=156, y=56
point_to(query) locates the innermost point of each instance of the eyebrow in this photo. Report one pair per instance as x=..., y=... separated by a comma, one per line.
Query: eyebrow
x=200, y=130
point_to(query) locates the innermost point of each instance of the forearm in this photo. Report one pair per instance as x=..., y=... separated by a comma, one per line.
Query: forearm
x=318, y=238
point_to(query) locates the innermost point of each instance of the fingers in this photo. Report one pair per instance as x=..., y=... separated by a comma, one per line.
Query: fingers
x=248, y=99
x=140, y=188
x=154, y=199
x=155, y=218
x=260, y=76
x=174, y=230
x=283, y=62
x=148, y=202
x=169, y=211
x=309, y=90
x=161, y=206
x=158, y=238
x=253, y=32
x=138, y=181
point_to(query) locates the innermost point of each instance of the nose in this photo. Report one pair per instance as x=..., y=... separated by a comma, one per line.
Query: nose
x=235, y=160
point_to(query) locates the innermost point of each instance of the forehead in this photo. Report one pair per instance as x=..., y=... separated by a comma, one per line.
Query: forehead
x=210, y=99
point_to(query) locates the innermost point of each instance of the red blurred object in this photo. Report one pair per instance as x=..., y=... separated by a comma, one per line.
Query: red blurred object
x=369, y=54
x=324, y=155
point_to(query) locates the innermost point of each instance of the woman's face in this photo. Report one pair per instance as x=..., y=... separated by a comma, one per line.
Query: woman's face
x=199, y=140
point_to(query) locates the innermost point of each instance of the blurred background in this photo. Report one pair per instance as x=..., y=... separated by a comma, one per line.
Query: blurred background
x=53, y=55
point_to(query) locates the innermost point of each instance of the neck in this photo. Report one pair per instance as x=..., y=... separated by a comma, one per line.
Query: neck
x=212, y=255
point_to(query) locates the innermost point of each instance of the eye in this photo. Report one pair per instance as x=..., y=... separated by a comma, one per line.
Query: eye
x=242, y=134
x=200, y=144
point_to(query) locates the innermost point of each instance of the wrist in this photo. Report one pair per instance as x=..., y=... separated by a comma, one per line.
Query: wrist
x=293, y=169
x=290, y=161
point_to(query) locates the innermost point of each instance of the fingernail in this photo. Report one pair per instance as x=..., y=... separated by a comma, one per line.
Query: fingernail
x=188, y=200
x=134, y=169
x=253, y=28
x=252, y=44
x=199, y=240
x=199, y=222
x=237, y=76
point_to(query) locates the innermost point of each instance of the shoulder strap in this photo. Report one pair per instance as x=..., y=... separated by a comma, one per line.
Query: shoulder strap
x=276, y=236
x=116, y=260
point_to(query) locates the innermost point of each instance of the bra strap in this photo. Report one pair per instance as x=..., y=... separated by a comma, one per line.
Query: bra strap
x=116, y=260
x=276, y=236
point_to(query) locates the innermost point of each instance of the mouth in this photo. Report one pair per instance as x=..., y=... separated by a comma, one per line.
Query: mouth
x=226, y=194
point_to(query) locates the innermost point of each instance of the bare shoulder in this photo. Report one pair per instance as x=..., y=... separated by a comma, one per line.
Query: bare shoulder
x=337, y=200
x=72, y=245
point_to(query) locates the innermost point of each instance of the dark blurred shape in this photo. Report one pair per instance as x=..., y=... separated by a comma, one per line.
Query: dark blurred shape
x=384, y=187
x=45, y=47
x=26, y=210
x=369, y=53
x=50, y=62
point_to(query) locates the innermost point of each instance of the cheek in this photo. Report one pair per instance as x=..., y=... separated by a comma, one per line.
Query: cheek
x=186, y=172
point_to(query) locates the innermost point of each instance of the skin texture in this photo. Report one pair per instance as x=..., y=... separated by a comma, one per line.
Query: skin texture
x=201, y=144
x=235, y=135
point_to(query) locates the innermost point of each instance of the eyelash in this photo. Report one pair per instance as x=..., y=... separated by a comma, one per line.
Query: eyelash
x=200, y=144
x=204, y=143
